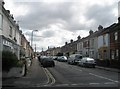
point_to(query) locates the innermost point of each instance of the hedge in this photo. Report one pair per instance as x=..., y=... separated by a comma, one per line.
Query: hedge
x=9, y=60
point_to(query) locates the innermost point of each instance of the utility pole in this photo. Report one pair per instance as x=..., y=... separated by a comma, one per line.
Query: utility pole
x=32, y=37
x=35, y=51
x=35, y=48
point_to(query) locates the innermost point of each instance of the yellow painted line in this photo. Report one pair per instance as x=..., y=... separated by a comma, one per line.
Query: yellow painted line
x=49, y=76
x=46, y=75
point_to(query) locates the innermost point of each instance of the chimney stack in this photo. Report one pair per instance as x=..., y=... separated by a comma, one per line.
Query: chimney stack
x=90, y=32
x=118, y=19
x=71, y=40
x=8, y=11
x=79, y=37
x=65, y=43
x=100, y=27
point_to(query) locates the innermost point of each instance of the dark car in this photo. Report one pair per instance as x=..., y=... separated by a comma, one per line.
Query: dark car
x=47, y=62
x=40, y=58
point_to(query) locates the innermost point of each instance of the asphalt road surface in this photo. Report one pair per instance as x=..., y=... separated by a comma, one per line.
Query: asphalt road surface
x=65, y=75
x=72, y=75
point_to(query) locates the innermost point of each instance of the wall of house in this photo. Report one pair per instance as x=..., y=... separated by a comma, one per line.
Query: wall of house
x=6, y=27
x=93, y=51
x=80, y=47
x=1, y=22
x=103, y=40
x=103, y=48
x=9, y=42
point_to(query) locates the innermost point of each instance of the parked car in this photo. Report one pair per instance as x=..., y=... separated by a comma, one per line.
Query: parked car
x=47, y=62
x=54, y=57
x=62, y=59
x=74, y=58
x=40, y=58
x=87, y=62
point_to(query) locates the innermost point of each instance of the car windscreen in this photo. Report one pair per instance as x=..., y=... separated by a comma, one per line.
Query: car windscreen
x=78, y=57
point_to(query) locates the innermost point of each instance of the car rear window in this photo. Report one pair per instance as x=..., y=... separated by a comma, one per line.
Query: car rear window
x=78, y=56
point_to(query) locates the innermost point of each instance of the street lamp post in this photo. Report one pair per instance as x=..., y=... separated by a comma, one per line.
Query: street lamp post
x=32, y=36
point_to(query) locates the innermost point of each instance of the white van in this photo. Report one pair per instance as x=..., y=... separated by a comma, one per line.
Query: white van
x=74, y=58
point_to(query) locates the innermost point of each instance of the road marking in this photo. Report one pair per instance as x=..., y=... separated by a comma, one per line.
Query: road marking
x=46, y=75
x=74, y=84
x=49, y=76
x=93, y=83
x=109, y=83
x=62, y=85
x=104, y=77
x=46, y=85
x=25, y=77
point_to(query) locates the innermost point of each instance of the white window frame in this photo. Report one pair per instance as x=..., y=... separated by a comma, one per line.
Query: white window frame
x=116, y=35
x=1, y=21
x=113, y=54
x=10, y=28
x=117, y=52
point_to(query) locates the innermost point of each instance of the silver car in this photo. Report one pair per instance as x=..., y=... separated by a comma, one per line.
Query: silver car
x=62, y=59
x=87, y=62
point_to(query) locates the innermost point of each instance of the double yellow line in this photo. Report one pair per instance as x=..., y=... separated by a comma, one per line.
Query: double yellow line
x=51, y=79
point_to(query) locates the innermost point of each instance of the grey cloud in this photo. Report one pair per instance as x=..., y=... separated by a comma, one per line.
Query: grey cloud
x=42, y=15
x=39, y=48
x=48, y=33
x=101, y=14
x=37, y=39
x=28, y=33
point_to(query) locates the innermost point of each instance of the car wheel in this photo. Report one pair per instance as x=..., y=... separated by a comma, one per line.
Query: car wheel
x=93, y=66
x=83, y=65
x=53, y=66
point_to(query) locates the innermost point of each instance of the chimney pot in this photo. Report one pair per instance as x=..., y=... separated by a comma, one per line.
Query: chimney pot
x=71, y=40
x=90, y=32
x=65, y=43
x=79, y=37
x=118, y=19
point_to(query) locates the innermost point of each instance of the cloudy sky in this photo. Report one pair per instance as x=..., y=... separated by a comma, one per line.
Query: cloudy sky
x=58, y=21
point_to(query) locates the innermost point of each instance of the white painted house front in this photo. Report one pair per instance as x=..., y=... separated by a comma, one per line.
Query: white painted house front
x=9, y=32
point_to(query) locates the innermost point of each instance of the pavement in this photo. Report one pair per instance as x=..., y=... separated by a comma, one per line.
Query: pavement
x=14, y=72
x=108, y=69
x=35, y=75
x=19, y=72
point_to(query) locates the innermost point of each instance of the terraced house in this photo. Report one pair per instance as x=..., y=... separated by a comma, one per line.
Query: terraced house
x=10, y=34
x=114, y=32
x=69, y=48
x=88, y=46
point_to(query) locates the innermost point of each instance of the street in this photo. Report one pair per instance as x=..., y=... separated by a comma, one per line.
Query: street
x=72, y=75
x=65, y=75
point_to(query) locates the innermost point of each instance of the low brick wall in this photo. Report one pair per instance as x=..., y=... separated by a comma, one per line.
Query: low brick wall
x=108, y=63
